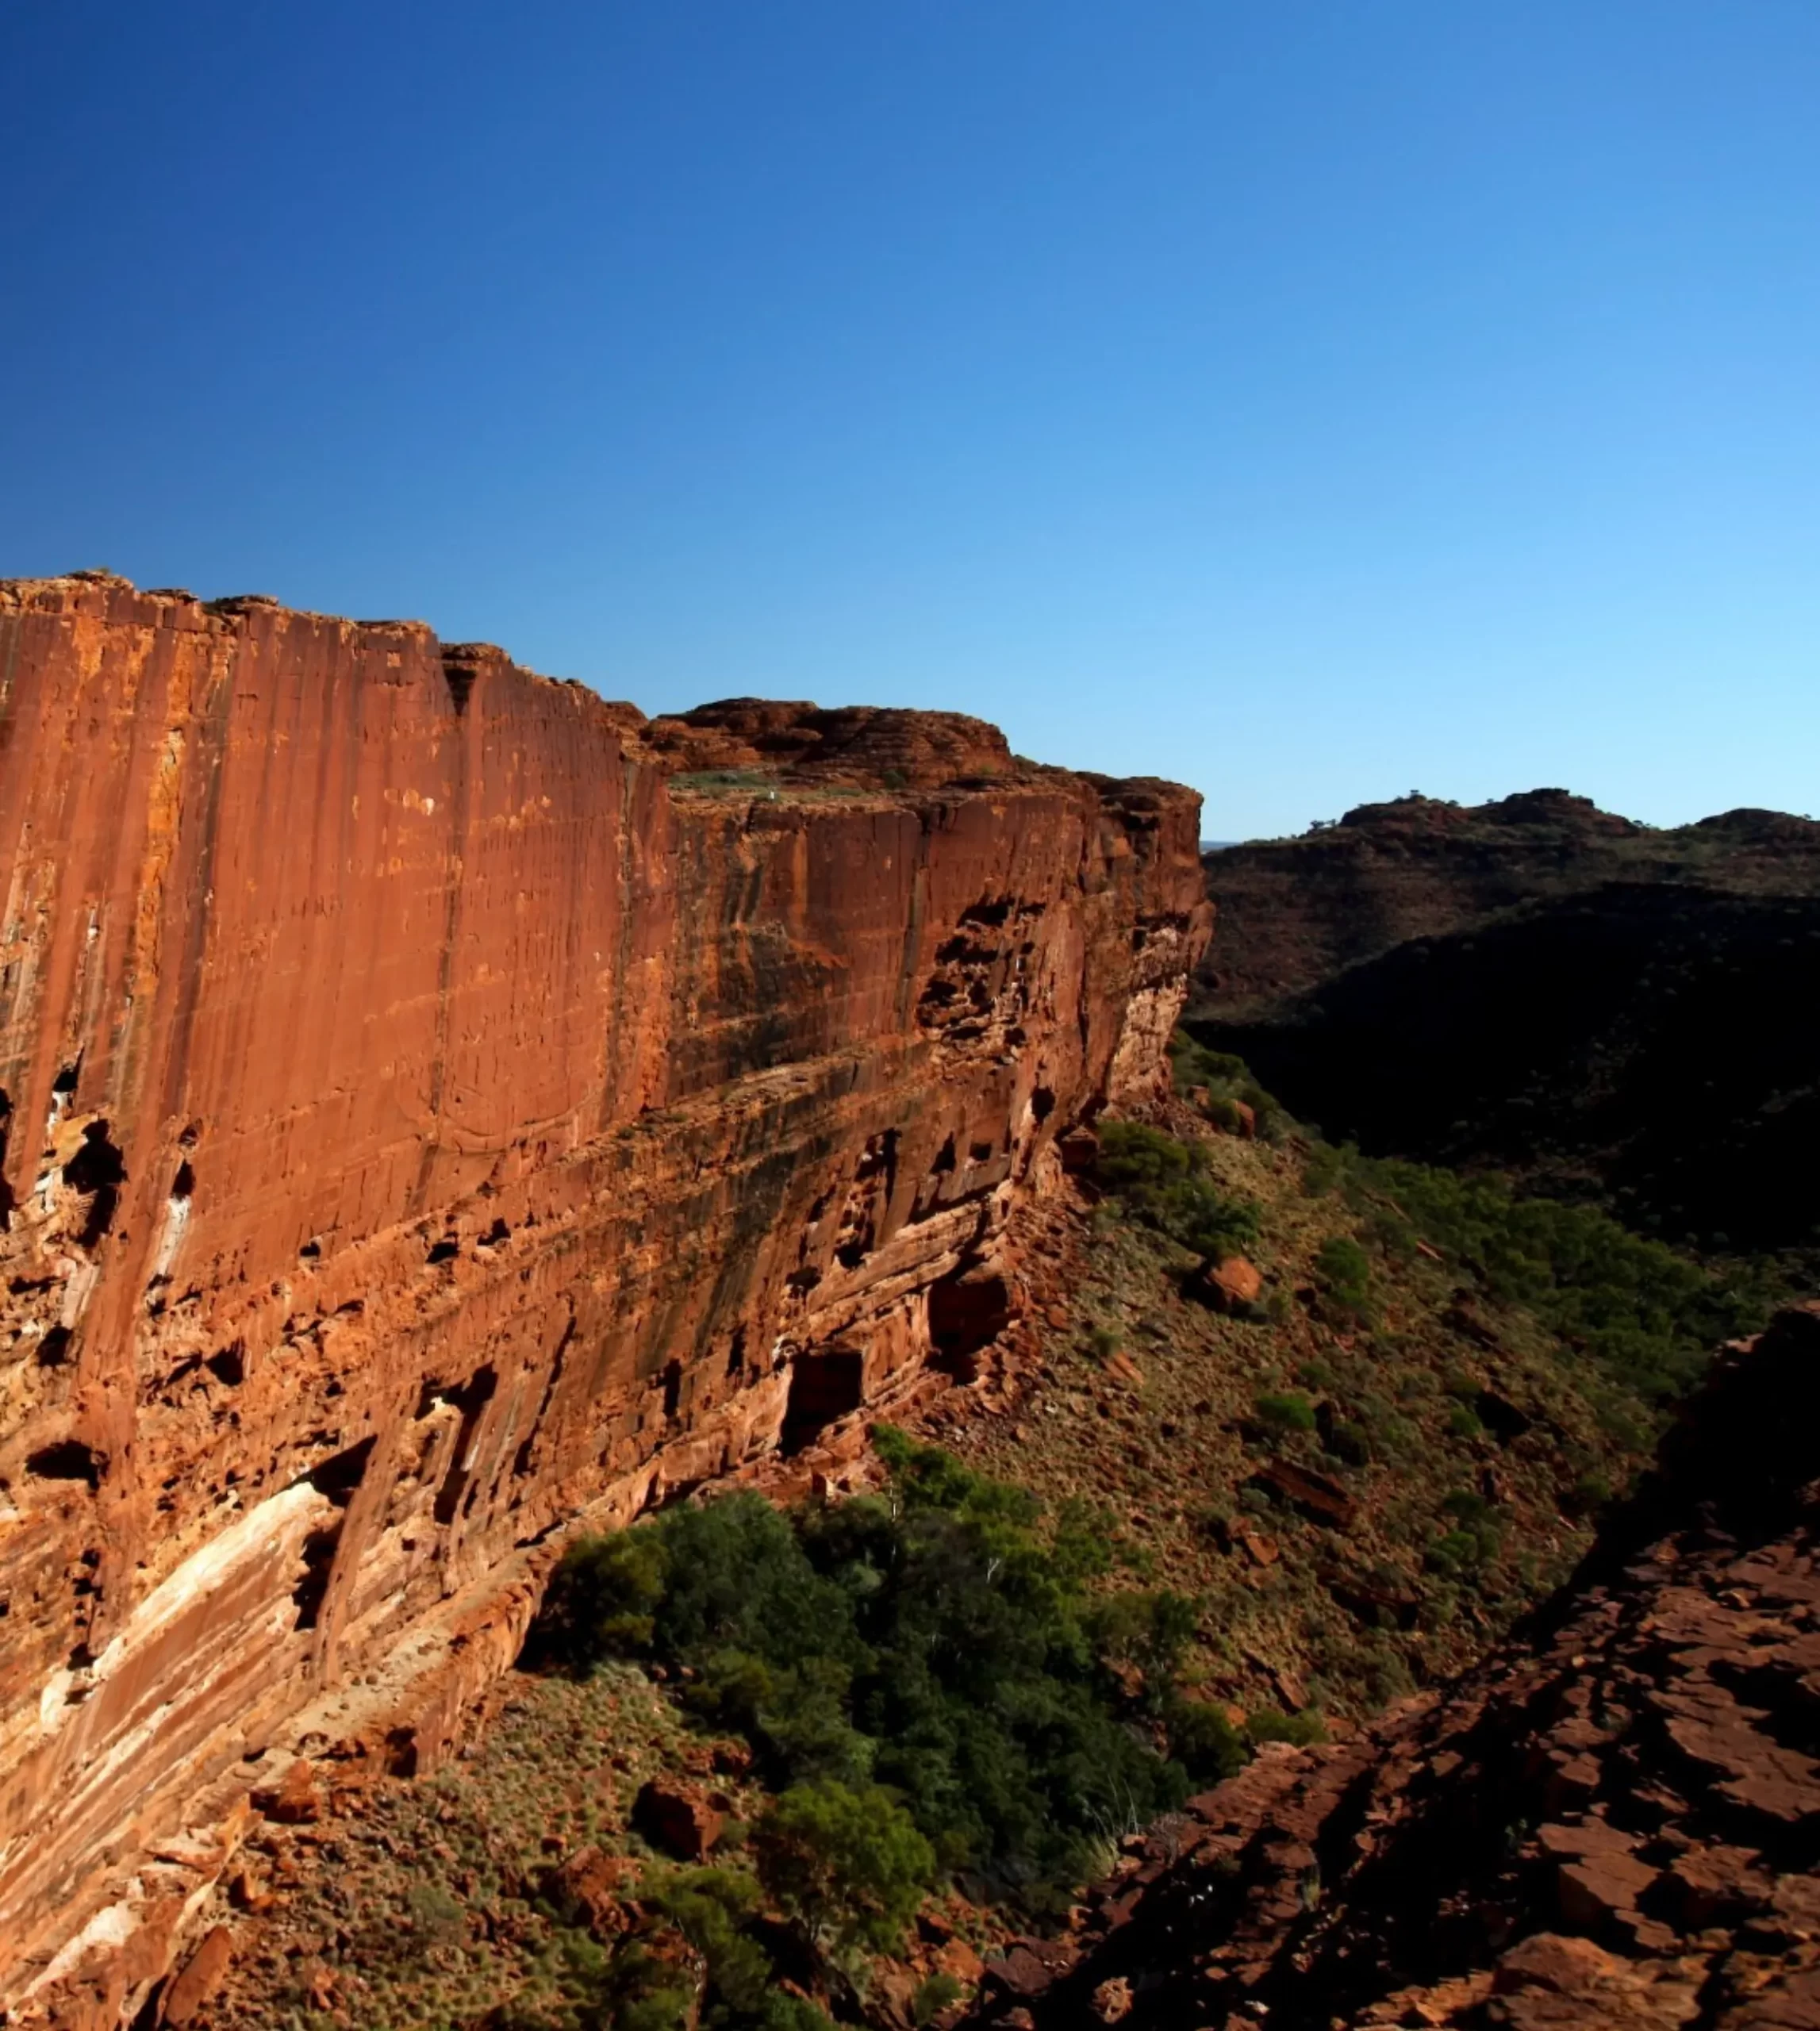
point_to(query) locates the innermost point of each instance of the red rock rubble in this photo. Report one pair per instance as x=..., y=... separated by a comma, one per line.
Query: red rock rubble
x=440, y=1104
x=1614, y=1822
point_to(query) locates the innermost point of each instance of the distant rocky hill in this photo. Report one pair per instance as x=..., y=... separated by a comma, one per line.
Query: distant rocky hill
x=1615, y=1822
x=1599, y=1009
x=1294, y=912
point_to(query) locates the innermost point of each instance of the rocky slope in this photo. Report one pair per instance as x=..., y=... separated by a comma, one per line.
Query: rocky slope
x=1436, y=1489
x=440, y=1103
x=1615, y=1821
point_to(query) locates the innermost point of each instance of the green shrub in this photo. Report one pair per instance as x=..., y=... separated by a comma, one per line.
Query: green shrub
x=724, y=779
x=1162, y=1181
x=1342, y=1261
x=1379, y=1674
x=1589, y=1494
x=848, y=1861
x=1473, y=1543
x=711, y=1908
x=1456, y=1553
x=1269, y=1726
x=940, y=1640
x=1344, y=1269
x=934, y=1993
x=1289, y=1412
x=1469, y=1506
x=630, y=1988
x=1463, y=1422
x=1226, y=1079
x=1203, y=1742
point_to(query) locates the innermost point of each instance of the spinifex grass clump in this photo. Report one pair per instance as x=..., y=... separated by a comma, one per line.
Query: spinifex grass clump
x=929, y=1682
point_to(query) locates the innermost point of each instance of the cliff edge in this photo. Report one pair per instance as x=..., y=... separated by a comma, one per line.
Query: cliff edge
x=439, y=1103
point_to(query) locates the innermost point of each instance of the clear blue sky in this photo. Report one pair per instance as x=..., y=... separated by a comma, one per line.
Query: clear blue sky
x=1309, y=401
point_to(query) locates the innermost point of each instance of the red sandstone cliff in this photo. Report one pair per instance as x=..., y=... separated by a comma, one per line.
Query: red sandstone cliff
x=428, y=1114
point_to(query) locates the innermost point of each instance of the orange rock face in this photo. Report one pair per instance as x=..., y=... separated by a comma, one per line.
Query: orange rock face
x=436, y=1106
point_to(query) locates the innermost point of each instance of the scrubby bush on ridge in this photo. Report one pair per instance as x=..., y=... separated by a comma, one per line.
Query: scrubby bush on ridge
x=1647, y=1317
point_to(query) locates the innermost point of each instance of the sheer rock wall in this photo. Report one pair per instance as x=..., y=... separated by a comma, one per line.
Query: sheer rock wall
x=428, y=1117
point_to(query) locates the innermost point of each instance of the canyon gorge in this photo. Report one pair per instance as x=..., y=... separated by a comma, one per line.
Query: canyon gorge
x=442, y=1105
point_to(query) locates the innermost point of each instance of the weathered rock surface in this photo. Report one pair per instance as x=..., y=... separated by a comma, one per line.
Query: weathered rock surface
x=1614, y=1822
x=429, y=1116
x=677, y=1819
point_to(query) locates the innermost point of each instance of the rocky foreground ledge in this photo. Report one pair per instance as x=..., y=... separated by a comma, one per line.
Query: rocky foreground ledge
x=1614, y=1822
x=440, y=1104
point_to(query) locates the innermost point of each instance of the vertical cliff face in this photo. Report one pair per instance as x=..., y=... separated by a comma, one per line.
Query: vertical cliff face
x=429, y=1114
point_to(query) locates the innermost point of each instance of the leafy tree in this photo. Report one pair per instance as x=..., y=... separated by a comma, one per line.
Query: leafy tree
x=1151, y=1631
x=602, y=1600
x=846, y=1861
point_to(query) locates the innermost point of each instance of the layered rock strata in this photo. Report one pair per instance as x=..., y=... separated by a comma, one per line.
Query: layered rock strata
x=439, y=1103
x=1614, y=1822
